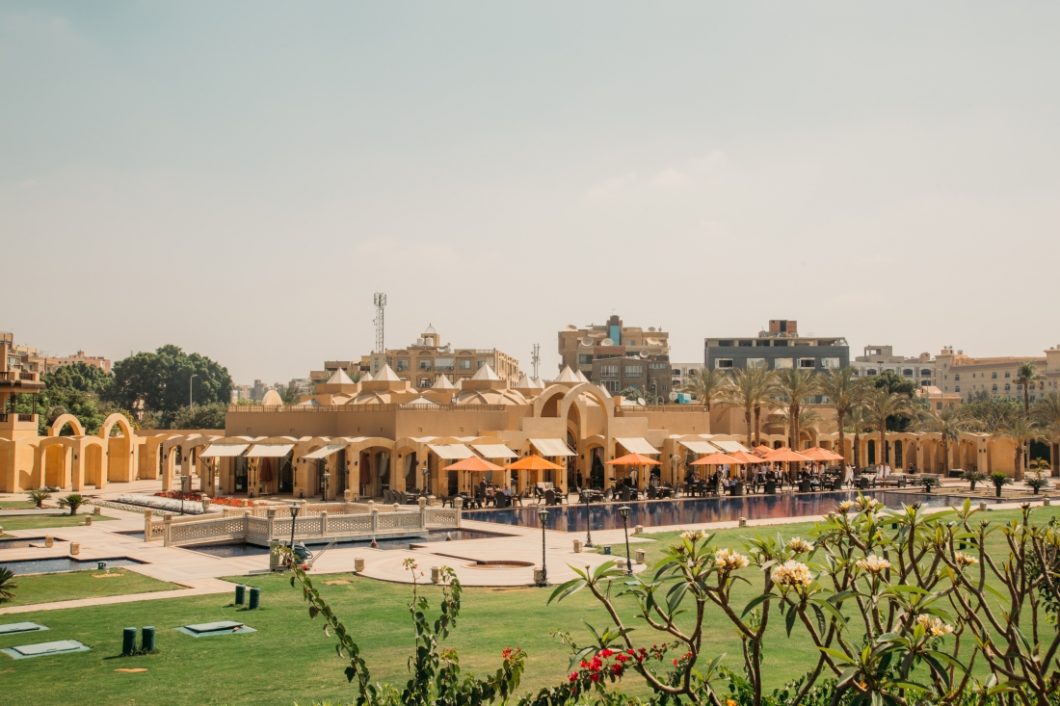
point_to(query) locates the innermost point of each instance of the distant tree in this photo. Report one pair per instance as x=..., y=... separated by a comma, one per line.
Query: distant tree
x=881, y=405
x=751, y=389
x=794, y=387
x=80, y=376
x=76, y=389
x=201, y=416
x=844, y=391
x=949, y=423
x=290, y=393
x=1025, y=377
x=160, y=381
x=708, y=386
x=892, y=383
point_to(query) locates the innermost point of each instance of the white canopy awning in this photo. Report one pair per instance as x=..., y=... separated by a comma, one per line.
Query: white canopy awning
x=323, y=452
x=494, y=450
x=451, y=452
x=269, y=450
x=699, y=447
x=223, y=450
x=730, y=446
x=637, y=445
x=551, y=447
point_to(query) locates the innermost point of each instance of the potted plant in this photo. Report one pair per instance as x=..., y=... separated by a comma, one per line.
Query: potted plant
x=72, y=501
x=1036, y=482
x=973, y=477
x=999, y=480
x=929, y=482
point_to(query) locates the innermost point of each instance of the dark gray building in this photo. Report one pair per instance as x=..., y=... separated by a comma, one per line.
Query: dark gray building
x=650, y=374
x=778, y=348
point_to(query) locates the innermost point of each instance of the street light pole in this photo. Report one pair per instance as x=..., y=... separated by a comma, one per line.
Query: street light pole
x=190, y=380
x=624, y=511
x=294, y=517
x=542, y=514
x=588, y=521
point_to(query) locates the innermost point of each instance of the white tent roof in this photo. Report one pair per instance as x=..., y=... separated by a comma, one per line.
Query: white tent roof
x=451, y=452
x=421, y=402
x=729, y=446
x=494, y=450
x=387, y=374
x=485, y=373
x=367, y=377
x=636, y=445
x=443, y=383
x=339, y=377
x=551, y=447
x=223, y=450
x=269, y=450
x=581, y=376
x=567, y=375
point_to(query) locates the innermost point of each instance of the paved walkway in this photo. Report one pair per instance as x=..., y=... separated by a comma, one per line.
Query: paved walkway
x=500, y=561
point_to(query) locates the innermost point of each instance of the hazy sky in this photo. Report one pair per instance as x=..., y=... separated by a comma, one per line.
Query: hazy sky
x=238, y=178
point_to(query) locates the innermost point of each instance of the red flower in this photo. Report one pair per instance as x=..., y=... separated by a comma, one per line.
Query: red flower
x=573, y=677
x=616, y=669
x=594, y=677
x=506, y=653
x=583, y=664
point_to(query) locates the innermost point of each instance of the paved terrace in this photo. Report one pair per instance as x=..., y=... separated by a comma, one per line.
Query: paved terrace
x=200, y=573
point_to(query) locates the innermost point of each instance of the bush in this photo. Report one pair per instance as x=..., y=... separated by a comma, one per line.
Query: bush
x=72, y=501
x=39, y=495
x=973, y=477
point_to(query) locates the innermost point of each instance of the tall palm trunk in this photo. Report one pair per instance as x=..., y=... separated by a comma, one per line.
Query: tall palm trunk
x=881, y=453
x=758, y=424
x=747, y=419
x=857, y=448
x=1017, y=473
x=842, y=446
x=945, y=454
x=793, y=414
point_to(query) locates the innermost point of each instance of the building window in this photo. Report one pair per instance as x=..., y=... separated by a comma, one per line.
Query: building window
x=402, y=364
x=831, y=363
x=956, y=377
x=424, y=383
x=634, y=370
x=723, y=363
x=1007, y=374
x=807, y=363
x=993, y=375
x=725, y=344
x=756, y=362
x=465, y=364
x=609, y=370
x=957, y=388
x=585, y=360
x=907, y=372
x=746, y=344
x=994, y=388
x=871, y=371
x=425, y=365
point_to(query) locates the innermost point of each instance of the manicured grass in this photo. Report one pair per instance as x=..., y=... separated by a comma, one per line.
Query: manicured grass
x=83, y=584
x=290, y=660
x=9, y=522
x=17, y=505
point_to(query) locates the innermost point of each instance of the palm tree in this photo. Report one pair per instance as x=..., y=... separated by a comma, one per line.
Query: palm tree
x=750, y=388
x=708, y=386
x=1025, y=375
x=7, y=585
x=793, y=387
x=1023, y=430
x=880, y=405
x=1047, y=414
x=857, y=418
x=949, y=423
x=843, y=391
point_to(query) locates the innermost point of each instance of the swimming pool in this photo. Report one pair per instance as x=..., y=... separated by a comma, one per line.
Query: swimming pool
x=61, y=564
x=232, y=550
x=691, y=511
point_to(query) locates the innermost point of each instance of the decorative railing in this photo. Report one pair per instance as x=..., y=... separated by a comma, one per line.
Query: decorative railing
x=322, y=526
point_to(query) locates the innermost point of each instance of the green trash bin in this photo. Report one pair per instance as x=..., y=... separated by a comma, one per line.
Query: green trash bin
x=147, y=639
x=241, y=593
x=255, y=598
x=128, y=642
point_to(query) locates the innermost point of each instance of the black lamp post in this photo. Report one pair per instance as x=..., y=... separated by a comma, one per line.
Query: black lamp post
x=588, y=521
x=542, y=515
x=294, y=516
x=426, y=479
x=624, y=511
x=326, y=476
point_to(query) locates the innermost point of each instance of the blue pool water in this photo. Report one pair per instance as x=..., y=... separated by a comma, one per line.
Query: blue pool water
x=51, y=566
x=20, y=542
x=231, y=550
x=691, y=511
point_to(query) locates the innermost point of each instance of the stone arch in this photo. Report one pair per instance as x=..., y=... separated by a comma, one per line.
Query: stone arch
x=115, y=420
x=56, y=464
x=60, y=423
x=370, y=465
x=94, y=455
x=120, y=451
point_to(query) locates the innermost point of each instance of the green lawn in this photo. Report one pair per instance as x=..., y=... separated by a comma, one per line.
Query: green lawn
x=289, y=659
x=17, y=505
x=83, y=584
x=9, y=522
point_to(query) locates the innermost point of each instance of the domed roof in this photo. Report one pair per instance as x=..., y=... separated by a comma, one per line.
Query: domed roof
x=490, y=396
x=339, y=377
x=272, y=399
x=443, y=383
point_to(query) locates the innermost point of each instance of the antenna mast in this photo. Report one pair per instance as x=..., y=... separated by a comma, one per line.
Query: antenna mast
x=535, y=359
x=379, y=299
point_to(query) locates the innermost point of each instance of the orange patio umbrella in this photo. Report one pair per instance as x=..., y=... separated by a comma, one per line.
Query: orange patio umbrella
x=762, y=449
x=633, y=460
x=785, y=455
x=473, y=464
x=716, y=459
x=744, y=457
x=819, y=454
x=534, y=463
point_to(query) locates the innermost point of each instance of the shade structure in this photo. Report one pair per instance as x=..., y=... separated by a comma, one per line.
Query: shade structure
x=551, y=447
x=761, y=449
x=716, y=459
x=451, y=452
x=633, y=460
x=324, y=451
x=697, y=446
x=534, y=463
x=785, y=455
x=269, y=451
x=744, y=457
x=819, y=454
x=495, y=451
x=473, y=464
x=637, y=445
x=223, y=450
x=729, y=446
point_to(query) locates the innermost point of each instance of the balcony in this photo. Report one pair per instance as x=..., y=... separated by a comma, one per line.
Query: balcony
x=17, y=417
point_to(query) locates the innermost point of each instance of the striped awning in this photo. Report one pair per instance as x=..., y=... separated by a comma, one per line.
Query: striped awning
x=269, y=450
x=451, y=452
x=699, y=446
x=551, y=447
x=324, y=452
x=223, y=450
x=494, y=450
x=637, y=445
